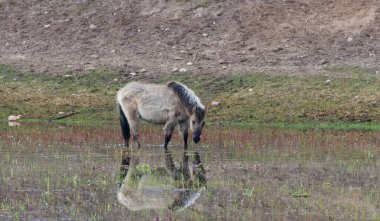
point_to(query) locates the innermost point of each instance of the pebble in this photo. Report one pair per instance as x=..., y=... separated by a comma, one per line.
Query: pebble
x=215, y=103
x=175, y=70
x=142, y=70
x=328, y=81
x=349, y=39
x=189, y=63
x=250, y=90
x=182, y=70
x=92, y=26
x=133, y=74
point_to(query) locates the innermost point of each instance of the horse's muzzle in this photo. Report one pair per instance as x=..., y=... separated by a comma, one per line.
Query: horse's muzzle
x=196, y=139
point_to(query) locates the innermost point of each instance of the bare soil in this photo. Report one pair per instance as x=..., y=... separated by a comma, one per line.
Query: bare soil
x=216, y=36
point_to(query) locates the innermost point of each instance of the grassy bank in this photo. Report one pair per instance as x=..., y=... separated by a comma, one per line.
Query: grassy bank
x=351, y=98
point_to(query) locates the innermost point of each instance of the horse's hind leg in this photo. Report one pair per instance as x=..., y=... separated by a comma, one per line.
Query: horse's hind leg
x=183, y=129
x=133, y=125
x=168, y=131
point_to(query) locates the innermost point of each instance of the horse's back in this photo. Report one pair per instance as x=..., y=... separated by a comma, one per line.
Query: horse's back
x=152, y=101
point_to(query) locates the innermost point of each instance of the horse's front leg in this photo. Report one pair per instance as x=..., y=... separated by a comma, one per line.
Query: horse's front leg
x=183, y=129
x=168, y=131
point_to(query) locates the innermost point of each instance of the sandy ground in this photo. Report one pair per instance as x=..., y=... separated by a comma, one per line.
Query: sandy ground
x=205, y=37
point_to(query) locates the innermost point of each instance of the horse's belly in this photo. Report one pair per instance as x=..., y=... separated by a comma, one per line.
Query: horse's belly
x=154, y=116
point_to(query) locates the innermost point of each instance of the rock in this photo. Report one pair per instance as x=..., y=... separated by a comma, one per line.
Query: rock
x=250, y=90
x=174, y=69
x=222, y=61
x=14, y=118
x=177, y=58
x=133, y=74
x=60, y=113
x=349, y=39
x=224, y=67
x=115, y=80
x=92, y=26
x=142, y=70
x=215, y=103
x=277, y=49
x=328, y=81
x=189, y=63
x=204, y=34
x=182, y=70
x=323, y=61
x=46, y=26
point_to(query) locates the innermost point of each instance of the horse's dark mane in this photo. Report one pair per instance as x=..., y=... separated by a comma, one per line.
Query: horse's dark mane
x=186, y=96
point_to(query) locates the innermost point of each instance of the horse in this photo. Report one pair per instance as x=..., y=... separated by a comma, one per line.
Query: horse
x=170, y=104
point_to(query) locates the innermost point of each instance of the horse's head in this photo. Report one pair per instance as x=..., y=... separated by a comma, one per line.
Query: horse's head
x=197, y=121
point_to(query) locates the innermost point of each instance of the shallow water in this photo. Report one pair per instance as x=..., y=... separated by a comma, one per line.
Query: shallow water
x=74, y=172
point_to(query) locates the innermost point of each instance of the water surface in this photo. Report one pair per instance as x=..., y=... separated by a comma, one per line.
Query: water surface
x=75, y=172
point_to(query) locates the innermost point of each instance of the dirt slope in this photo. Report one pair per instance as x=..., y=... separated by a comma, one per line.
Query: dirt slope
x=217, y=36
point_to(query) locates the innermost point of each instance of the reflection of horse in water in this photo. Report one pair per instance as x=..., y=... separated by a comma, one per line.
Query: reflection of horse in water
x=146, y=187
x=169, y=104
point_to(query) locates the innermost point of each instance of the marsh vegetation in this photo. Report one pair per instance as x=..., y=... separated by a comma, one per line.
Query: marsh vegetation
x=71, y=172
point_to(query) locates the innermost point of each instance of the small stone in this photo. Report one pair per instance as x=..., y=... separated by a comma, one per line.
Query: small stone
x=323, y=61
x=224, y=67
x=46, y=26
x=215, y=103
x=182, y=70
x=177, y=58
x=349, y=39
x=277, y=49
x=92, y=26
x=175, y=70
x=142, y=70
x=189, y=63
x=60, y=113
x=67, y=75
x=328, y=81
x=113, y=51
x=115, y=80
x=133, y=74
x=222, y=61
x=250, y=90
x=204, y=34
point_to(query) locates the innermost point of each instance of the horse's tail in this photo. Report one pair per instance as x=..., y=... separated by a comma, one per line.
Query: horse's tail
x=124, y=125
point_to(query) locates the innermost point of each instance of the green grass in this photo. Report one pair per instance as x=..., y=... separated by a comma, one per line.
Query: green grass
x=350, y=101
